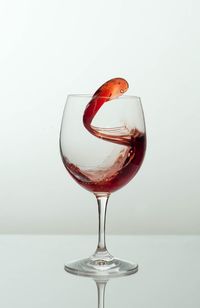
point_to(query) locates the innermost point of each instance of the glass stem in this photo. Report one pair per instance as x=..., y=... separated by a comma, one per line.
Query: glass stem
x=101, y=251
x=101, y=285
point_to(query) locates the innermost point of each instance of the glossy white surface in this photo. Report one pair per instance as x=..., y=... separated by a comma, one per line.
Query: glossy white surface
x=32, y=275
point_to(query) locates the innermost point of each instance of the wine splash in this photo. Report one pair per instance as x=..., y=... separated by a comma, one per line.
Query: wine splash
x=109, y=90
x=126, y=165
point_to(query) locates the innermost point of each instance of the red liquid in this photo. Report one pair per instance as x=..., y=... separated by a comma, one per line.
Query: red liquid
x=119, y=174
x=130, y=159
x=108, y=91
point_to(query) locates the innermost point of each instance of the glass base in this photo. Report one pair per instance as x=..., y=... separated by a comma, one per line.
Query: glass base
x=101, y=268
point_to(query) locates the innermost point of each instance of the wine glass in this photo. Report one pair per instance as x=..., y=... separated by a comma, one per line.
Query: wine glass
x=103, y=165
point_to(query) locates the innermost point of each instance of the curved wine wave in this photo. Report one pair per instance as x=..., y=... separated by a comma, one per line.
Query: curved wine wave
x=111, y=89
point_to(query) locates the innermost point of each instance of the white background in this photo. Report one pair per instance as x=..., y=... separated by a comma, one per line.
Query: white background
x=49, y=49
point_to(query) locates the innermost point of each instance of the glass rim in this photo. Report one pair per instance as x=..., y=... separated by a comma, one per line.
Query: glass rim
x=91, y=95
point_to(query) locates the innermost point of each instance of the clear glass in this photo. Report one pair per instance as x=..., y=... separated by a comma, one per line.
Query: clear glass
x=103, y=166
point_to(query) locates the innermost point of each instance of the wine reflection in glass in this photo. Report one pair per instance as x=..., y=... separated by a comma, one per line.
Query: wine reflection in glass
x=103, y=161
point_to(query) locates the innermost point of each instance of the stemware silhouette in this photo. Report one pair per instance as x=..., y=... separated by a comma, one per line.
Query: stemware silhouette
x=102, y=166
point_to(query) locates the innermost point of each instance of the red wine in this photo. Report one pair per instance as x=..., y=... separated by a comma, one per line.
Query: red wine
x=130, y=158
x=119, y=174
x=109, y=90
